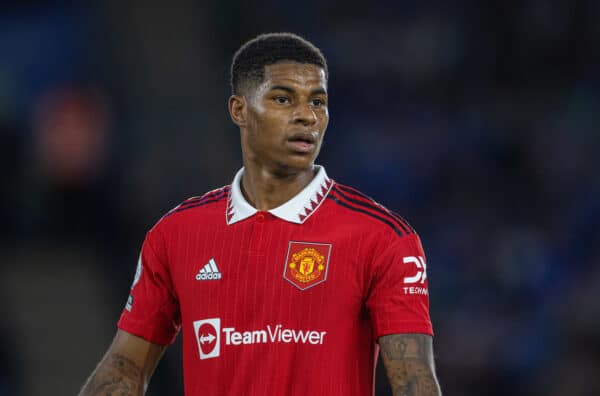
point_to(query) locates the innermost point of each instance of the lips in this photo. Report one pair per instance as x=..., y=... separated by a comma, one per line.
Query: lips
x=308, y=137
x=302, y=142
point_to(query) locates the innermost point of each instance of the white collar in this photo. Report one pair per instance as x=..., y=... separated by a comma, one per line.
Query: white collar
x=296, y=210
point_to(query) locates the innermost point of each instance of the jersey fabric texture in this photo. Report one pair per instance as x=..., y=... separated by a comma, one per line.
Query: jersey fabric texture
x=285, y=302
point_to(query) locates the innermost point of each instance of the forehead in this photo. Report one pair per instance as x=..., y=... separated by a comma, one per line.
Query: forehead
x=296, y=74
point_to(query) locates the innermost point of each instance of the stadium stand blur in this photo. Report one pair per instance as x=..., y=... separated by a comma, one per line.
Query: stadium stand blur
x=477, y=121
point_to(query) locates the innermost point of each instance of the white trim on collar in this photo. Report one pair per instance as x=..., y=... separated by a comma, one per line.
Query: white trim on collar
x=296, y=210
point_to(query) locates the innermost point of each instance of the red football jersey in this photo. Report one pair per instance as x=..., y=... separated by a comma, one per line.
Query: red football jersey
x=285, y=302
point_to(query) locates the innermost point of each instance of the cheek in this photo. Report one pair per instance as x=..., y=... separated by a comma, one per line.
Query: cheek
x=257, y=124
x=265, y=131
x=272, y=125
x=325, y=121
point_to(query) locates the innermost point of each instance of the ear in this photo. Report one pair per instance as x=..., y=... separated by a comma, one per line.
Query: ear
x=238, y=110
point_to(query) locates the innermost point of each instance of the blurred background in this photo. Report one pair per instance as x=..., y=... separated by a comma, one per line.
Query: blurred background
x=477, y=121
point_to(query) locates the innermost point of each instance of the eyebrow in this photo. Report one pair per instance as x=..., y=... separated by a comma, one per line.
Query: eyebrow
x=287, y=89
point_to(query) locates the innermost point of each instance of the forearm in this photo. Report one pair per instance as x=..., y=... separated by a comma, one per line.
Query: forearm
x=115, y=375
x=408, y=359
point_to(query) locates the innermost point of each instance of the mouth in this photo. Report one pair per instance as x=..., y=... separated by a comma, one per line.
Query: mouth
x=302, y=142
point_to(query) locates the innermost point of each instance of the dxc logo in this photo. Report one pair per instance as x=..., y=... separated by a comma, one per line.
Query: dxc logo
x=420, y=263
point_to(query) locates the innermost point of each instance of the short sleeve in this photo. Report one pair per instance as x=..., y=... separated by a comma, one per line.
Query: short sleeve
x=152, y=310
x=398, y=299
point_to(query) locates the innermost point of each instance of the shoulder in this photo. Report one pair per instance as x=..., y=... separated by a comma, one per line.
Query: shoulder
x=193, y=212
x=202, y=204
x=371, y=213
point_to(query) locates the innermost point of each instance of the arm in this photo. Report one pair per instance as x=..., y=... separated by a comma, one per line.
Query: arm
x=126, y=367
x=408, y=359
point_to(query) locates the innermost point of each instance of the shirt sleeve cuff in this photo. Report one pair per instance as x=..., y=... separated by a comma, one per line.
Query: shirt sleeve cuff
x=403, y=328
x=147, y=332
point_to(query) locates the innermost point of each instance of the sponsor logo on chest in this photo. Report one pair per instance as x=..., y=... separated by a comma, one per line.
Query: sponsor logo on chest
x=210, y=336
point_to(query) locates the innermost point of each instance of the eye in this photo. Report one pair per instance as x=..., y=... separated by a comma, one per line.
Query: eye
x=317, y=102
x=281, y=99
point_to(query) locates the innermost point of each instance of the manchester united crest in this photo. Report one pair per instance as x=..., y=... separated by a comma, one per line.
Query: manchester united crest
x=306, y=263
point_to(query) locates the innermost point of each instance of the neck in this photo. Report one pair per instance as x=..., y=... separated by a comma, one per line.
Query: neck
x=266, y=190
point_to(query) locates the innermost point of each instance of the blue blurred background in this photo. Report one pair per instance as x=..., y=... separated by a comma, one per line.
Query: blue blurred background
x=477, y=121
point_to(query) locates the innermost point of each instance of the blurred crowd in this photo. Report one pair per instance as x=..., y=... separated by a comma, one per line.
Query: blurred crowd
x=479, y=122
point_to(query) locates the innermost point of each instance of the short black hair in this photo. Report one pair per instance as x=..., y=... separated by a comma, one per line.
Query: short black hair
x=248, y=65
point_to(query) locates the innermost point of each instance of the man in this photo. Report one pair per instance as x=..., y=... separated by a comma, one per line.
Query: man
x=285, y=281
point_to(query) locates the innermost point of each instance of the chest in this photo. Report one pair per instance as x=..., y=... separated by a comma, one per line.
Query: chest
x=267, y=270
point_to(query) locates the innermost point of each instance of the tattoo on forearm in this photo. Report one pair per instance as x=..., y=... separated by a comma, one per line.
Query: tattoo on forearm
x=118, y=376
x=408, y=359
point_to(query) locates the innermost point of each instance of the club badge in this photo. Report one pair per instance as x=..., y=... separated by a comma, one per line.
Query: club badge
x=306, y=264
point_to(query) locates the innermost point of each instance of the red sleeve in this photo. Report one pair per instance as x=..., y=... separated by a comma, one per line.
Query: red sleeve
x=152, y=310
x=398, y=299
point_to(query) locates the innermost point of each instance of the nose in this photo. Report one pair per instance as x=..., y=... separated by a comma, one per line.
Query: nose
x=304, y=115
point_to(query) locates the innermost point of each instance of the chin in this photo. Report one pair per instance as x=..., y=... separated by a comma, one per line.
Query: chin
x=295, y=165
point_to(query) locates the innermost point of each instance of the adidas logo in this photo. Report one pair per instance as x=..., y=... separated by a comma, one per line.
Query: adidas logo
x=209, y=271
